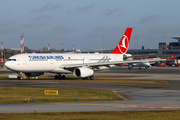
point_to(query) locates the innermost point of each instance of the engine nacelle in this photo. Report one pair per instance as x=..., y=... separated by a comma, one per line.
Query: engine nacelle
x=147, y=65
x=142, y=64
x=34, y=74
x=83, y=72
x=127, y=56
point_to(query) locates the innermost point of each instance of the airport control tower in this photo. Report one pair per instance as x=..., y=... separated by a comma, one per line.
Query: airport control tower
x=175, y=45
x=178, y=38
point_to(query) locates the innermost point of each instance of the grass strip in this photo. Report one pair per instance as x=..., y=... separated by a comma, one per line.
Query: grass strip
x=18, y=95
x=112, y=81
x=119, y=81
x=51, y=78
x=109, y=115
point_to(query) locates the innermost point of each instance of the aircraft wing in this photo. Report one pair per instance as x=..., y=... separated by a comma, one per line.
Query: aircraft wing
x=109, y=63
x=140, y=55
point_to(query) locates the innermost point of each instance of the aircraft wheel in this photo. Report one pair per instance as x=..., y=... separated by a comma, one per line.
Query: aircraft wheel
x=91, y=77
x=19, y=78
x=55, y=77
x=146, y=67
x=86, y=78
x=59, y=77
x=63, y=77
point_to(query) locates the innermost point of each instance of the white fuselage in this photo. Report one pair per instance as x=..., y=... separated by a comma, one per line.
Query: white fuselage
x=55, y=62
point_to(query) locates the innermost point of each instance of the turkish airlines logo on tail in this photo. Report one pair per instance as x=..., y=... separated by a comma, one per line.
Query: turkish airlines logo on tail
x=123, y=45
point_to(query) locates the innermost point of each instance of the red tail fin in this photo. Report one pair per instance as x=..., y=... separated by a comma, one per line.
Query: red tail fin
x=172, y=56
x=122, y=47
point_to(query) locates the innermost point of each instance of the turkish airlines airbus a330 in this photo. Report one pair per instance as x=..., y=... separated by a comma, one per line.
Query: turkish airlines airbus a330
x=81, y=65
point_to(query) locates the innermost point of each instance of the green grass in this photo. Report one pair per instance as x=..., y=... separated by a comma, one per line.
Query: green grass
x=18, y=95
x=74, y=79
x=109, y=115
x=118, y=81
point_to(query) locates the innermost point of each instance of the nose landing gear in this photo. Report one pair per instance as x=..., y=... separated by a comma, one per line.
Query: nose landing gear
x=19, y=76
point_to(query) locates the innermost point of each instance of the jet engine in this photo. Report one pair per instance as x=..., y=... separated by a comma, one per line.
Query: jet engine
x=127, y=56
x=147, y=65
x=130, y=66
x=34, y=74
x=83, y=72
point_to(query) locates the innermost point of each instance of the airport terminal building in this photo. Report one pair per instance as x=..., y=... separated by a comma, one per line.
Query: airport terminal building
x=165, y=50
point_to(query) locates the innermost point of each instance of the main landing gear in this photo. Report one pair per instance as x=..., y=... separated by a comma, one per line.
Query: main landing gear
x=63, y=77
x=60, y=77
x=88, y=78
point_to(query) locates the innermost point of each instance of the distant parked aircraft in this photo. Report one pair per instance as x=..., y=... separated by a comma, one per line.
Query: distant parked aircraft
x=145, y=65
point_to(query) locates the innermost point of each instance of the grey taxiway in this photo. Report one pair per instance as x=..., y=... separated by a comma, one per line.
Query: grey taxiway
x=145, y=96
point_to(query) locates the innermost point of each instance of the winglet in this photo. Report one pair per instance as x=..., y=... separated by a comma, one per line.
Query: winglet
x=172, y=56
x=122, y=47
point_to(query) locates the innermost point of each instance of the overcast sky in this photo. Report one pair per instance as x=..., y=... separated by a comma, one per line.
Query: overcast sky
x=85, y=22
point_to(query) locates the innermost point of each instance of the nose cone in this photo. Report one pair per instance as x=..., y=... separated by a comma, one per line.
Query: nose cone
x=7, y=64
x=11, y=65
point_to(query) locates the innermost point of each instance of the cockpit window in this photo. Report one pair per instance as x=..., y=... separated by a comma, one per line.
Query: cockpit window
x=11, y=59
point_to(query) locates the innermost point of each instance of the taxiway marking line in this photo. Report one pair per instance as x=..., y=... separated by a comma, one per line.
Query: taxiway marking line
x=125, y=106
x=83, y=104
x=146, y=106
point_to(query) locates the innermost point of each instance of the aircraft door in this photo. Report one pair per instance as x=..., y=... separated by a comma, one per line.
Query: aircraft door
x=86, y=60
x=24, y=61
x=51, y=61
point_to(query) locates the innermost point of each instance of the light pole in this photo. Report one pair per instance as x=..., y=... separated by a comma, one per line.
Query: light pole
x=103, y=44
x=163, y=45
x=106, y=44
x=59, y=47
x=135, y=42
